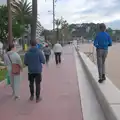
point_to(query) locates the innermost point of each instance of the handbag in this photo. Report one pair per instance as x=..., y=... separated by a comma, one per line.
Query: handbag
x=15, y=67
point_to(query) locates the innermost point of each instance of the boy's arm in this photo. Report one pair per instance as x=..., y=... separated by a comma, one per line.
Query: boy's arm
x=109, y=41
x=96, y=41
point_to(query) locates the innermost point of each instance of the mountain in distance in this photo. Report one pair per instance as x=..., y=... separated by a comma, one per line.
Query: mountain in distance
x=115, y=25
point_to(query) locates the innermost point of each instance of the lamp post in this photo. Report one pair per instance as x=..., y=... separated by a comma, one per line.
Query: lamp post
x=53, y=15
x=9, y=22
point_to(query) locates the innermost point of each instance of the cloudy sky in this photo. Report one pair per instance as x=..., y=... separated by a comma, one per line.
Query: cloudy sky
x=78, y=11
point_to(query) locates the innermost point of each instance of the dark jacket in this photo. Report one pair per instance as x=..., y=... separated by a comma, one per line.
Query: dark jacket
x=34, y=60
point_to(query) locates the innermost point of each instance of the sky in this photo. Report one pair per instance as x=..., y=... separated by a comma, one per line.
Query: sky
x=78, y=11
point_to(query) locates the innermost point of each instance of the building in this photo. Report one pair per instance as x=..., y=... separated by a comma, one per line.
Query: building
x=39, y=30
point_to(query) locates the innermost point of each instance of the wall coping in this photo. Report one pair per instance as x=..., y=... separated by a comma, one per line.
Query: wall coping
x=107, y=93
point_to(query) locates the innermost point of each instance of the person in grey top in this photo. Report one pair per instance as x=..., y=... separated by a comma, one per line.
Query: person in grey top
x=12, y=57
x=47, y=53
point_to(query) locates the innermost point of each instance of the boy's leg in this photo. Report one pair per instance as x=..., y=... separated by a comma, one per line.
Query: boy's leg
x=105, y=52
x=99, y=63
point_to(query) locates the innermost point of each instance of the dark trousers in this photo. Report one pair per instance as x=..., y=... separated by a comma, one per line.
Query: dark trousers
x=58, y=58
x=37, y=78
x=47, y=58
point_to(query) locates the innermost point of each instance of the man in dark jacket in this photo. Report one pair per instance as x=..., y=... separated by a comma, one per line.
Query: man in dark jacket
x=34, y=60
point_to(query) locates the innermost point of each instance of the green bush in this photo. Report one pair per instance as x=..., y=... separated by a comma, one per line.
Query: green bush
x=3, y=73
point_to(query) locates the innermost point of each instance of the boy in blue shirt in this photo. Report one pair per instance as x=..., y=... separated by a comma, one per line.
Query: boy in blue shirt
x=102, y=42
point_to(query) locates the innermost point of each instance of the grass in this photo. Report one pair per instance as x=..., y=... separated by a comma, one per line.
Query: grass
x=22, y=58
x=3, y=72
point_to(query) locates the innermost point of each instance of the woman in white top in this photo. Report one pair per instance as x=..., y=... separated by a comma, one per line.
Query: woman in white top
x=57, y=51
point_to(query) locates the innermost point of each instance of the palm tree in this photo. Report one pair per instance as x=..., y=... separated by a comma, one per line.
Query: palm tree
x=65, y=30
x=34, y=20
x=22, y=11
x=58, y=23
x=22, y=14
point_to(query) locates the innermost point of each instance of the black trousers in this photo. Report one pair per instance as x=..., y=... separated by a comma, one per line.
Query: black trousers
x=47, y=58
x=58, y=58
x=37, y=78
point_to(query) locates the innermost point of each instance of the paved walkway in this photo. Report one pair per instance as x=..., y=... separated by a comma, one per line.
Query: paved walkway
x=60, y=93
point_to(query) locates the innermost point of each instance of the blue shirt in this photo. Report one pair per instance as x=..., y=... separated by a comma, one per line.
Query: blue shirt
x=102, y=41
x=39, y=46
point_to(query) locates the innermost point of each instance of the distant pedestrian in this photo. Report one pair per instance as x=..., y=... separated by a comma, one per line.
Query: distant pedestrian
x=47, y=53
x=34, y=60
x=57, y=51
x=38, y=45
x=14, y=66
x=102, y=42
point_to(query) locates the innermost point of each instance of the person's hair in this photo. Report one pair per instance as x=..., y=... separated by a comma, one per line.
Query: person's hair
x=46, y=45
x=102, y=27
x=11, y=46
x=33, y=43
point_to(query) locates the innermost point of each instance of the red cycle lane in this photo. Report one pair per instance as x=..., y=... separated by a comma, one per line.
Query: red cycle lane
x=60, y=94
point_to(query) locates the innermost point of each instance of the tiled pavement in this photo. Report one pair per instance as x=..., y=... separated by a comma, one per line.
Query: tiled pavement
x=60, y=94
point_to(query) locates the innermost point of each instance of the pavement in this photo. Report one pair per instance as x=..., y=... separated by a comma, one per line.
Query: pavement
x=60, y=94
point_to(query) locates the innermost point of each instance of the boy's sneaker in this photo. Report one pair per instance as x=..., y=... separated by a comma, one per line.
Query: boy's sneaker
x=100, y=80
x=103, y=77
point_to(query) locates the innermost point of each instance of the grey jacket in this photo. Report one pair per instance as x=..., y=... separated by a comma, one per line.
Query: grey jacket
x=47, y=51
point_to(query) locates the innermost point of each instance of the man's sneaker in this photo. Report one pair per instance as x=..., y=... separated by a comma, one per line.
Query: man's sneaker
x=31, y=98
x=38, y=99
x=100, y=80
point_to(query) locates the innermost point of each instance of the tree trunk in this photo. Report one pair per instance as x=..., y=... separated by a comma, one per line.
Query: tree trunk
x=10, y=37
x=57, y=34
x=34, y=20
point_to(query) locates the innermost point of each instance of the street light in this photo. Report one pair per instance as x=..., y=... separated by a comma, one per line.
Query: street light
x=53, y=15
x=9, y=22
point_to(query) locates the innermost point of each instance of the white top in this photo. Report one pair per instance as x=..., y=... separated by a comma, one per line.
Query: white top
x=57, y=48
x=1, y=45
